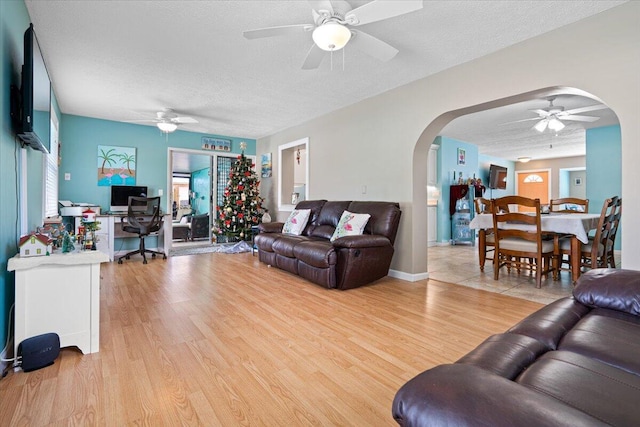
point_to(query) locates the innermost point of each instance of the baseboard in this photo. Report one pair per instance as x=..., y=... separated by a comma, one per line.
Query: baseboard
x=408, y=276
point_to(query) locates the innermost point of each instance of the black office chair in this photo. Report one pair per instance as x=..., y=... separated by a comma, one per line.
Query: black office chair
x=143, y=218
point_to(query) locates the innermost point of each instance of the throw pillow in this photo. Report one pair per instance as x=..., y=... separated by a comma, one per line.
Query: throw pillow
x=350, y=224
x=297, y=221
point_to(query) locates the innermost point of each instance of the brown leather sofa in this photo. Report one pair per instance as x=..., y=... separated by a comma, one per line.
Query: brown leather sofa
x=345, y=263
x=575, y=362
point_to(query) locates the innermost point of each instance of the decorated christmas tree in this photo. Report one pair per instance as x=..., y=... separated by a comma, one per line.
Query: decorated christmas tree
x=241, y=207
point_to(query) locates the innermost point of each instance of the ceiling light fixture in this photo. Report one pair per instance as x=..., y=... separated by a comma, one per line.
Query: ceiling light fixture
x=167, y=127
x=555, y=124
x=331, y=36
x=524, y=159
x=541, y=125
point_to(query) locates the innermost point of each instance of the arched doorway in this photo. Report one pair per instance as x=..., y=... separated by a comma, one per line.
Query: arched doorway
x=419, y=208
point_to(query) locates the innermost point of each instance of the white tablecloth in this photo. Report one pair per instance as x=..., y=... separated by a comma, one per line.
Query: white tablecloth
x=576, y=224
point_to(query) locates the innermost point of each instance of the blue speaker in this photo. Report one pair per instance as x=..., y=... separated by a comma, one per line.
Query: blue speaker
x=39, y=351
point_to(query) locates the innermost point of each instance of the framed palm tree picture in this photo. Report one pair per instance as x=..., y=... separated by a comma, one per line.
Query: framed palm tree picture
x=116, y=165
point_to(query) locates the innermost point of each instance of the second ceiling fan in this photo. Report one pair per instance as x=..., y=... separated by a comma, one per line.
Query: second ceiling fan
x=552, y=117
x=332, y=28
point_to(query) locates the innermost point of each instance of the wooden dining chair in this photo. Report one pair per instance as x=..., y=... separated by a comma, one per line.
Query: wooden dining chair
x=519, y=238
x=569, y=205
x=486, y=238
x=598, y=253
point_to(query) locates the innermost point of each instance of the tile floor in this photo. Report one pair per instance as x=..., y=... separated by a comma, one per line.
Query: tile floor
x=459, y=264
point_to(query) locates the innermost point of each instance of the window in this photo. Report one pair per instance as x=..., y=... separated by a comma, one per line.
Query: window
x=533, y=178
x=50, y=190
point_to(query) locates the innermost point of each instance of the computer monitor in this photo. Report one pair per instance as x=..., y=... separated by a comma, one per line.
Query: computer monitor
x=120, y=197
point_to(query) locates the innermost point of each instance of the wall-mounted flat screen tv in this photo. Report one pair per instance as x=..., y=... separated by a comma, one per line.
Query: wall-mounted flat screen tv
x=497, y=177
x=35, y=96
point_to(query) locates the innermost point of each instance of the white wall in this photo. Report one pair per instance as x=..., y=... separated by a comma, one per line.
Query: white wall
x=383, y=141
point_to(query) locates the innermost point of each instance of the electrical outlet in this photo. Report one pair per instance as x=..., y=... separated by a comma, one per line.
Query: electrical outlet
x=364, y=189
x=160, y=192
x=67, y=176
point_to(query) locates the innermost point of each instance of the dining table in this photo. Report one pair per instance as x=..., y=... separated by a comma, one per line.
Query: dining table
x=576, y=225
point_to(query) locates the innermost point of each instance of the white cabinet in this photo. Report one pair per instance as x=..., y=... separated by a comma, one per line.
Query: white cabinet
x=59, y=293
x=432, y=224
x=432, y=165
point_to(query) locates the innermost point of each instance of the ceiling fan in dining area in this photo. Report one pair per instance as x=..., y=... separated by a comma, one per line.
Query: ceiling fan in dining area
x=334, y=25
x=553, y=117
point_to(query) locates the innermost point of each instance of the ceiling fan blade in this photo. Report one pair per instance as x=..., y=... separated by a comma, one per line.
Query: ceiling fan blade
x=541, y=113
x=378, y=10
x=277, y=31
x=314, y=58
x=181, y=120
x=579, y=118
x=372, y=46
x=585, y=109
x=141, y=121
x=519, y=121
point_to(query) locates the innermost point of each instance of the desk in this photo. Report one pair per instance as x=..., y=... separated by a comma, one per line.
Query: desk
x=577, y=225
x=110, y=229
x=59, y=293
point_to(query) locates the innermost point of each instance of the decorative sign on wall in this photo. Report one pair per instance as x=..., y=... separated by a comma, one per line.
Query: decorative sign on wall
x=266, y=165
x=116, y=165
x=218, y=144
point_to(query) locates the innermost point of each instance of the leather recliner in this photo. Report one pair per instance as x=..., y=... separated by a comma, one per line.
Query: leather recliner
x=345, y=263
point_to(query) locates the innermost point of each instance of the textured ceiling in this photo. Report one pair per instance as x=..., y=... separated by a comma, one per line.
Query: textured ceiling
x=126, y=60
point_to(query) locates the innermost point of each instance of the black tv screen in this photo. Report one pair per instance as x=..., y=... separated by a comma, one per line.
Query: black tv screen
x=497, y=177
x=120, y=196
x=35, y=94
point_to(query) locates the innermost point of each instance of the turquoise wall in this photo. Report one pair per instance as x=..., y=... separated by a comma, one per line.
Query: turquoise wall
x=604, y=147
x=81, y=137
x=447, y=165
x=14, y=20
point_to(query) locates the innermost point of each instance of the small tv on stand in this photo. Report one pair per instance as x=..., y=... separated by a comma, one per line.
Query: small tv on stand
x=120, y=197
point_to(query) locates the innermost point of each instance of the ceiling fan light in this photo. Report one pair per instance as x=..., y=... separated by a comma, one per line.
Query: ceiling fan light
x=555, y=124
x=167, y=127
x=541, y=125
x=524, y=159
x=331, y=36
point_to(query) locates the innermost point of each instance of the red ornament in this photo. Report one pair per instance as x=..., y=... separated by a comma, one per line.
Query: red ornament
x=247, y=173
x=240, y=187
x=240, y=215
x=239, y=202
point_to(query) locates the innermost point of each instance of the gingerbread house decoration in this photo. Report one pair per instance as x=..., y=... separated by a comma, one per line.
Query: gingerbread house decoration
x=35, y=244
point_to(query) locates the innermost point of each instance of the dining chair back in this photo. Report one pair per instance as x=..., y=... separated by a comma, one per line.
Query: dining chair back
x=486, y=237
x=598, y=252
x=569, y=205
x=615, y=224
x=519, y=239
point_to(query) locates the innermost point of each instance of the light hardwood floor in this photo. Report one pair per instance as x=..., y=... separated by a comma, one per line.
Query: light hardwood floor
x=218, y=339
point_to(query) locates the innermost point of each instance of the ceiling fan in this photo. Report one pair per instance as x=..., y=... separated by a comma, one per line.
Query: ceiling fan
x=167, y=120
x=332, y=28
x=552, y=117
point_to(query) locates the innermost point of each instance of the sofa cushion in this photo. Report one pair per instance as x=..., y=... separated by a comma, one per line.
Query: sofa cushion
x=316, y=253
x=315, y=206
x=285, y=244
x=328, y=219
x=616, y=289
x=385, y=217
x=602, y=391
x=613, y=341
x=350, y=224
x=296, y=222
